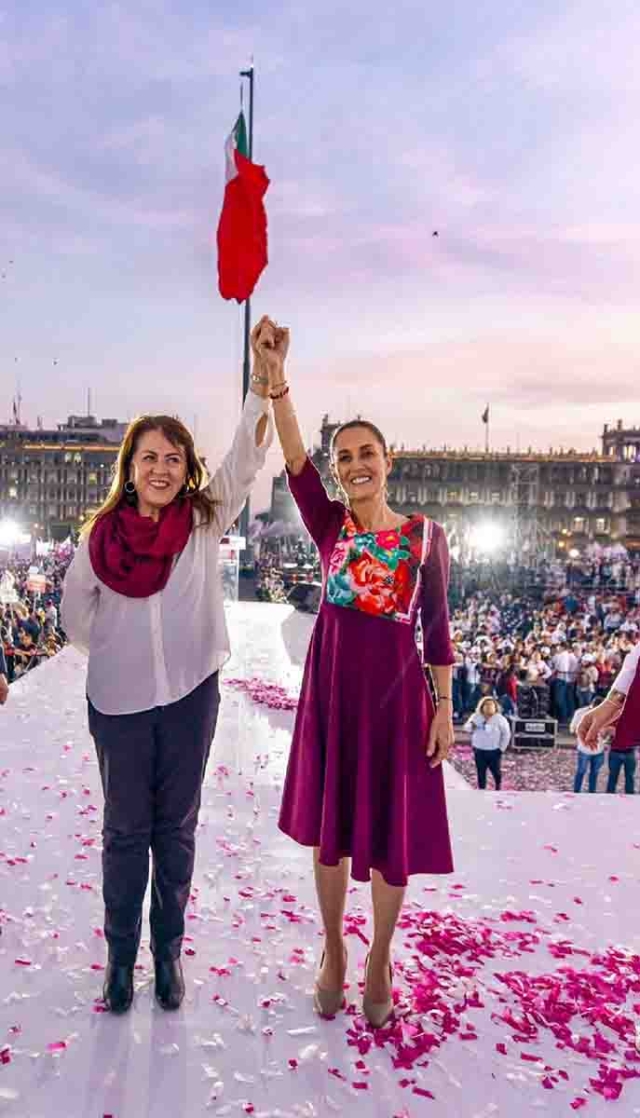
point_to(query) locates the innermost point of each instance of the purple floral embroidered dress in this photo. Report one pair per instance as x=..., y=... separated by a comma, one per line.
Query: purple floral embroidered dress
x=358, y=781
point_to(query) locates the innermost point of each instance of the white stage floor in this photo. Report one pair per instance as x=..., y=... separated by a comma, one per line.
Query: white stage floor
x=537, y=927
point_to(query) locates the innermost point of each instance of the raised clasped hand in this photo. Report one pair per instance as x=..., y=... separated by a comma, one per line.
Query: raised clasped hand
x=270, y=345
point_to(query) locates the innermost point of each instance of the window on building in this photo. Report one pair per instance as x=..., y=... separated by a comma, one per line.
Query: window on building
x=601, y=525
x=68, y=457
x=578, y=523
x=453, y=496
x=496, y=497
x=13, y=492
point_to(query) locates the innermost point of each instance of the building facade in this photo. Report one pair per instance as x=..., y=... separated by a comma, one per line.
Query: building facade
x=50, y=480
x=541, y=504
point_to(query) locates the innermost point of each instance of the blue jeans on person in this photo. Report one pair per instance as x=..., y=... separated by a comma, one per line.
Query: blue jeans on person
x=591, y=764
x=622, y=759
x=564, y=700
x=507, y=705
x=584, y=698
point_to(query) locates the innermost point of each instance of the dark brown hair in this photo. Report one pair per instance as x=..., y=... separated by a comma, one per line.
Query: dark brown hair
x=375, y=431
x=178, y=435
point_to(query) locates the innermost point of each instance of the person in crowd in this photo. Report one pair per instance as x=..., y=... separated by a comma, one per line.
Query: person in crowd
x=458, y=684
x=364, y=785
x=606, y=672
x=8, y=650
x=472, y=669
x=619, y=713
x=4, y=681
x=143, y=598
x=507, y=687
x=33, y=626
x=25, y=651
x=490, y=737
x=585, y=689
x=589, y=759
x=565, y=666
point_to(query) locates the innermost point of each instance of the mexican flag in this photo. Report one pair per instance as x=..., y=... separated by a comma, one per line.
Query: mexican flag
x=242, y=229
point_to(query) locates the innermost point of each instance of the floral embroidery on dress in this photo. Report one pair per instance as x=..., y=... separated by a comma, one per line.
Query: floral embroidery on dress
x=378, y=572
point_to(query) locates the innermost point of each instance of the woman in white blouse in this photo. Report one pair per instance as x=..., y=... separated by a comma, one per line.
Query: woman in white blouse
x=143, y=598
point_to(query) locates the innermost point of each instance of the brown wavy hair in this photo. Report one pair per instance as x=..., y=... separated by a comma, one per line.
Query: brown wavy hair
x=178, y=435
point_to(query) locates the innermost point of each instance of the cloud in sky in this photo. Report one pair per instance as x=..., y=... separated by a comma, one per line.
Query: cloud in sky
x=509, y=129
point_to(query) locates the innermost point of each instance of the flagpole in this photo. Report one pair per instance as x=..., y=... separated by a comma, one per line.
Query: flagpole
x=246, y=363
x=486, y=434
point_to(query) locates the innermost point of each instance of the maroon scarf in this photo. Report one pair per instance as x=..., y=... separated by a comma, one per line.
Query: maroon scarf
x=628, y=726
x=133, y=554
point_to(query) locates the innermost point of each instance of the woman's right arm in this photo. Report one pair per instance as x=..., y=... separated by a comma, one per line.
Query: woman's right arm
x=79, y=598
x=270, y=346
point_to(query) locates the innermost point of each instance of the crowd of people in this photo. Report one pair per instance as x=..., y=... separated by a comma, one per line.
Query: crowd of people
x=554, y=652
x=557, y=651
x=30, y=629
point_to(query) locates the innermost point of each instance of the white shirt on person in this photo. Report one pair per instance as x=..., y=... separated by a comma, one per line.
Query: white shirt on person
x=565, y=665
x=627, y=672
x=489, y=733
x=149, y=652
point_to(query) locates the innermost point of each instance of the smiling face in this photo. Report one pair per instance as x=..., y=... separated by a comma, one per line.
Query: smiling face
x=158, y=470
x=360, y=464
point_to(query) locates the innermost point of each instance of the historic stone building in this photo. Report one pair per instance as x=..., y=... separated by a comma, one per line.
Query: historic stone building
x=51, y=479
x=542, y=503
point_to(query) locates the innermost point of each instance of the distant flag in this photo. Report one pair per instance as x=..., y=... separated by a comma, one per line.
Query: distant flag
x=242, y=229
x=485, y=415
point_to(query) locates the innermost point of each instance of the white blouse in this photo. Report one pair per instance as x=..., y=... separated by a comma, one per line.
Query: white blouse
x=628, y=670
x=148, y=652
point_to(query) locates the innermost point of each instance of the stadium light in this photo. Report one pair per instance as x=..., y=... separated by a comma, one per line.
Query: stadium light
x=487, y=538
x=12, y=534
x=574, y=553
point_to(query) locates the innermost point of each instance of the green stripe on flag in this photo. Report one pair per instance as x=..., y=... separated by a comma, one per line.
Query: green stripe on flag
x=240, y=136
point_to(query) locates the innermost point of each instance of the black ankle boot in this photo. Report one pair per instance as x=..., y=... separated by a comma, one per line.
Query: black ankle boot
x=169, y=983
x=118, y=987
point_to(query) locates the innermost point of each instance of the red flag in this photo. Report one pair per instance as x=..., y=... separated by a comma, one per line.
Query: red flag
x=242, y=229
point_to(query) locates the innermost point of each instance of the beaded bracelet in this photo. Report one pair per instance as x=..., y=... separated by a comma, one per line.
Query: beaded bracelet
x=280, y=395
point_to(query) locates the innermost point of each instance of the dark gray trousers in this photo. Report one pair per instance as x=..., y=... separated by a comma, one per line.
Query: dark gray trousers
x=152, y=766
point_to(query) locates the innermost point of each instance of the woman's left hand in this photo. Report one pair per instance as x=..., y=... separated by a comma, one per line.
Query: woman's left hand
x=441, y=735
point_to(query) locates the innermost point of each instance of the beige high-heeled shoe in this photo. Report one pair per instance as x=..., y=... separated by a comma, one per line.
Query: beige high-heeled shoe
x=329, y=1002
x=377, y=1013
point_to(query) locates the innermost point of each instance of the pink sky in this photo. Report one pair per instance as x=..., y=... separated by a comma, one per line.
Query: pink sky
x=511, y=132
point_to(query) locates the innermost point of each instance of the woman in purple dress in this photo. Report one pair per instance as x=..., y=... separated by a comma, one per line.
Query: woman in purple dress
x=364, y=784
